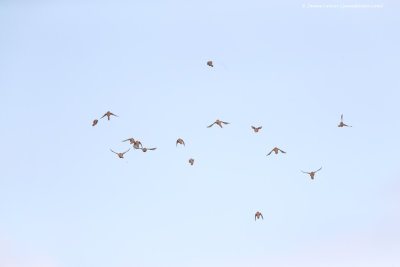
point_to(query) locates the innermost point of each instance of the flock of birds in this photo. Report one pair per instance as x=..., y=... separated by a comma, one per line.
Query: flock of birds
x=138, y=145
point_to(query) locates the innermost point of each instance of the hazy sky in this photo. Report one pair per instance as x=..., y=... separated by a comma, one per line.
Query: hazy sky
x=66, y=200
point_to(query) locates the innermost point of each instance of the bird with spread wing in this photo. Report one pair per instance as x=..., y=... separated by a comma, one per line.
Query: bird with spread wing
x=219, y=123
x=120, y=155
x=341, y=122
x=131, y=140
x=256, y=129
x=108, y=114
x=276, y=150
x=144, y=149
x=312, y=174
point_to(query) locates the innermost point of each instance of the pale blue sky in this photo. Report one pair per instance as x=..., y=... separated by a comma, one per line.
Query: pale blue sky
x=66, y=200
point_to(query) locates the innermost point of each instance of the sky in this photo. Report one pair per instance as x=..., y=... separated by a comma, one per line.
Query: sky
x=66, y=200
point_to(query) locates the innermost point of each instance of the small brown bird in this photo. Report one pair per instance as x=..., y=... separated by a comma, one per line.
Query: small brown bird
x=341, y=122
x=191, y=161
x=131, y=140
x=108, y=114
x=137, y=144
x=95, y=122
x=180, y=141
x=144, y=149
x=276, y=150
x=312, y=173
x=219, y=123
x=120, y=155
x=257, y=216
x=256, y=129
x=209, y=63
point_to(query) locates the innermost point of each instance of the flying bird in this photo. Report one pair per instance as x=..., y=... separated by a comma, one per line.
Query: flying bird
x=257, y=216
x=131, y=140
x=95, y=122
x=191, y=161
x=312, y=173
x=210, y=63
x=180, y=141
x=276, y=150
x=341, y=122
x=120, y=155
x=219, y=123
x=108, y=114
x=137, y=144
x=256, y=129
x=144, y=149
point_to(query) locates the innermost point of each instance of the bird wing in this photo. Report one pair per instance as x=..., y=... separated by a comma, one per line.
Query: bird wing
x=126, y=140
x=318, y=170
x=177, y=141
x=183, y=143
x=211, y=125
x=262, y=216
x=341, y=118
x=113, y=151
x=305, y=172
x=113, y=114
x=154, y=148
x=253, y=127
x=255, y=217
x=103, y=116
x=259, y=127
x=270, y=152
x=225, y=122
x=281, y=150
x=126, y=151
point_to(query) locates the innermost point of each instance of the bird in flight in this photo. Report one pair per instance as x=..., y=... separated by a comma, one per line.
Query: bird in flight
x=219, y=123
x=120, y=155
x=108, y=114
x=256, y=129
x=144, y=149
x=191, y=161
x=257, y=216
x=131, y=140
x=276, y=150
x=209, y=63
x=137, y=144
x=180, y=141
x=312, y=173
x=341, y=122
x=95, y=122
